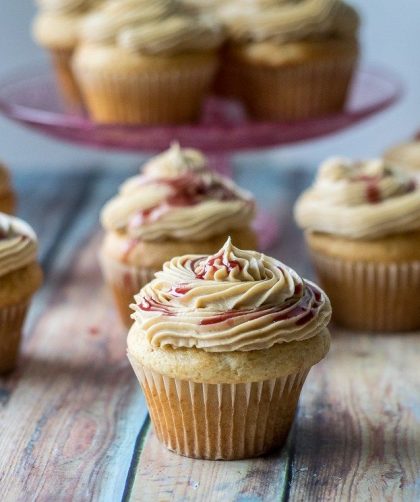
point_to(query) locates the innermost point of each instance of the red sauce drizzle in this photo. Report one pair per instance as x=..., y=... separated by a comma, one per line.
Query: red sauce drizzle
x=209, y=264
x=373, y=194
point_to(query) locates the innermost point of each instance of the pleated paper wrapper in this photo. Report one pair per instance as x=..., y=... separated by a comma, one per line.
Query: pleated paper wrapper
x=220, y=421
x=12, y=318
x=371, y=296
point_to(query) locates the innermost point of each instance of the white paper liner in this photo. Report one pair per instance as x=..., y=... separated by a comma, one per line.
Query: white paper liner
x=125, y=281
x=150, y=97
x=371, y=296
x=220, y=421
x=12, y=318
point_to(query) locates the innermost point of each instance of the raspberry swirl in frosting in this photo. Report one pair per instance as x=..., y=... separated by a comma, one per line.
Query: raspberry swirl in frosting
x=18, y=244
x=367, y=199
x=178, y=197
x=232, y=301
x=152, y=27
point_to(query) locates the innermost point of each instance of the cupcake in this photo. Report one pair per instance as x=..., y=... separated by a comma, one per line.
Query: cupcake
x=289, y=60
x=405, y=156
x=56, y=28
x=20, y=277
x=362, y=226
x=177, y=206
x=146, y=62
x=222, y=345
x=7, y=196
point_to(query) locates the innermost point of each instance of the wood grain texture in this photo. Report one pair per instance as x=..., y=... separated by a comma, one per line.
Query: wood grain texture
x=357, y=436
x=66, y=428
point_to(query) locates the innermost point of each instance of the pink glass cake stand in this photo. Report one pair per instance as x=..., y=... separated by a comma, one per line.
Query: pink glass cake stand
x=31, y=97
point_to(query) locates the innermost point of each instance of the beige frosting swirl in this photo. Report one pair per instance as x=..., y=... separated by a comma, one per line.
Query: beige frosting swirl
x=405, y=156
x=152, y=27
x=67, y=6
x=360, y=200
x=287, y=20
x=18, y=244
x=178, y=197
x=232, y=301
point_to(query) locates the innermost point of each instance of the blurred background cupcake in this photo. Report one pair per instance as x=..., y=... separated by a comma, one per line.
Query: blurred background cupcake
x=405, y=156
x=7, y=196
x=177, y=206
x=362, y=226
x=289, y=60
x=223, y=344
x=56, y=28
x=20, y=277
x=146, y=62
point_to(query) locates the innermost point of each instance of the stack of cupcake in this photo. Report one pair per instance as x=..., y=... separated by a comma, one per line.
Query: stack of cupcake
x=154, y=61
x=176, y=206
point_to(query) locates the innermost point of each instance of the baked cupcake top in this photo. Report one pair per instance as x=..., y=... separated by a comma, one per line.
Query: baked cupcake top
x=405, y=156
x=152, y=27
x=178, y=197
x=18, y=244
x=233, y=300
x=282, y=21
x=360, y=200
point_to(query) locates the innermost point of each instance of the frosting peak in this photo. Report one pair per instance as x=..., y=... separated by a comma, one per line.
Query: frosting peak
x=175, y=162
x=366, y=199
x=18, y=244
x=233, y=265
x=233, y=300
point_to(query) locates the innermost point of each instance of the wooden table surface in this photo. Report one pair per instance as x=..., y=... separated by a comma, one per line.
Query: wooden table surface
x=73, y=422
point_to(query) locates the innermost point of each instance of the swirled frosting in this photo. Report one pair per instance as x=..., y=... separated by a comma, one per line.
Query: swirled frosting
x=178, y=197
x=405, y=156
x=18, y=244
x=283, y=21
x=360, y=200
x=67, y=6
x=152, y=27
x=232, y=301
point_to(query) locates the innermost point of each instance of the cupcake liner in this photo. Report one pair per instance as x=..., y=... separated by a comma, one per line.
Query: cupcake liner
x=125, y=281
x=171, y=95
x=12, y=318
x=61, y=60
x=7, y=202
x=309, y=89
x=220, y=421
x=371, y=296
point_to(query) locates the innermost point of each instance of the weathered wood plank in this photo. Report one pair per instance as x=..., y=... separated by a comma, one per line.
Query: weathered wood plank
x=357, y=436
x=75, y=408
x=167, y=477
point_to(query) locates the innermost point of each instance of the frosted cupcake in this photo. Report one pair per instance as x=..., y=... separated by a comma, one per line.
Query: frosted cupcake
x=289, y=60
x=405, y=156
x=56, y=27
x=362, y=226
x=7, y=196
x=20, y=277
x=146, y=62
x=222, y=345
x=176, y=206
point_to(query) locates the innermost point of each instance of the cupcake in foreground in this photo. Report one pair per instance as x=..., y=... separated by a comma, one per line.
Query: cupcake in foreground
x=20, y=277
x=176, y=206
x=362, y=226
x=405, y=156
x=146, y=62
x=56, y=27
x=7, y=196
x=222, y=345
x=289, y=60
